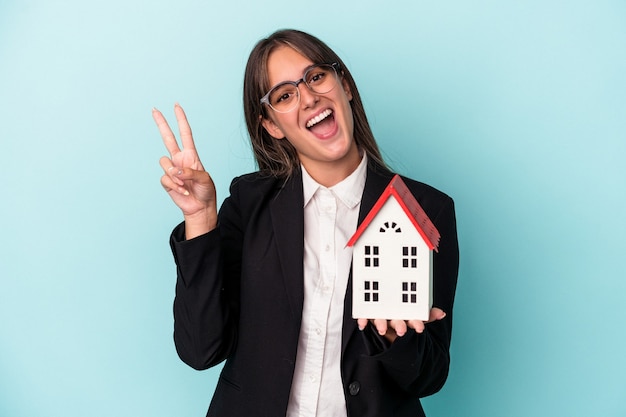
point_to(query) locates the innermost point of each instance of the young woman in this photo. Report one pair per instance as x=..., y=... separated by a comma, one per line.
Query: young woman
x=266, y=284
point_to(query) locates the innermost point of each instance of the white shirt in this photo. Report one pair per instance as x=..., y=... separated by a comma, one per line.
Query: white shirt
x=330, y=220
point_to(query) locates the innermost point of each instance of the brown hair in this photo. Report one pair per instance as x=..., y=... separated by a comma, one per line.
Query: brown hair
x=279, y=157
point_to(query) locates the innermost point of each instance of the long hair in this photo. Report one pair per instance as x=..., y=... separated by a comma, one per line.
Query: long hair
x=278, y=157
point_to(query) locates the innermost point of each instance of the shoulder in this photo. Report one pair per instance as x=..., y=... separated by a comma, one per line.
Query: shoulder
x=422, y=190
x=257, y=189
x=438, y=205
x=431, y=198
x=255, y=183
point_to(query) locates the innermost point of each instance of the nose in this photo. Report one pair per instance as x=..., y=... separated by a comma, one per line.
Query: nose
x=307, y=97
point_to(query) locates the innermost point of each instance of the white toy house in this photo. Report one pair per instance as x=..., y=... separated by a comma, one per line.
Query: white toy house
x=392, y=259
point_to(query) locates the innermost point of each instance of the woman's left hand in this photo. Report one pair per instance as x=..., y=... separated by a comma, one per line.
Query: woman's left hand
x=391, y=329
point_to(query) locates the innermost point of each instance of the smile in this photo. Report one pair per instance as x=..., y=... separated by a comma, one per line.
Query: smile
x=323, y=115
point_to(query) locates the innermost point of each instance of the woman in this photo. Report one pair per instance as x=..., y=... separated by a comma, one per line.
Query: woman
x=265, y=284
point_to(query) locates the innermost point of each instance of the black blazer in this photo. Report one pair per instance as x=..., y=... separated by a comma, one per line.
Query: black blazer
x=239, y=297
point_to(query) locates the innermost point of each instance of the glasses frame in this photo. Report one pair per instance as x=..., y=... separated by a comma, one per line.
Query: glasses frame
x=266, y=98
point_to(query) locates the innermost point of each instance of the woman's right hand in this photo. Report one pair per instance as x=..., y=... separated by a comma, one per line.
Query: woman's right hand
x=184, y=178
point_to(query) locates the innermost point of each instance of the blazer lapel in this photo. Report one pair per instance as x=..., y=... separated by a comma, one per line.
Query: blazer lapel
x=377, y=179
x=287, y=213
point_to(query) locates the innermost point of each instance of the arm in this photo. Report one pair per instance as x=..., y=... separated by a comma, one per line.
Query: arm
x=204, y=329
x=419, y=361
x=206, y=306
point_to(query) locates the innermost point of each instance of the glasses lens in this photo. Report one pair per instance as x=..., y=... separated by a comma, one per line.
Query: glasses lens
x=321, y=78
x=283, y=97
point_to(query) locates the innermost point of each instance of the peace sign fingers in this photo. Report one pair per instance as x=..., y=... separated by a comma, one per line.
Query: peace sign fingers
x=166, y=133
x=184, y=178
x=183, y=127
x=185, y=156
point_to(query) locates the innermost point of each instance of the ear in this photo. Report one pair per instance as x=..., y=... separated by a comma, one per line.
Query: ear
x=272, y=128
x=346, y=88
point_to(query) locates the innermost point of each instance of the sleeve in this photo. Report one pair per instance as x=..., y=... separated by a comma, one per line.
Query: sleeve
x=419, y=363
x=207, y=290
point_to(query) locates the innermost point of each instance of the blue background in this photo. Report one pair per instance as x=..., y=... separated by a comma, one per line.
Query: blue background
x=516, y=109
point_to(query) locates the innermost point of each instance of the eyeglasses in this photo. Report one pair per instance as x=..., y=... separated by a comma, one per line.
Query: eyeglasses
x=285, y=97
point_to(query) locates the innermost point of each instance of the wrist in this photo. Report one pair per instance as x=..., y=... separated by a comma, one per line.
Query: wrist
x=199, y=223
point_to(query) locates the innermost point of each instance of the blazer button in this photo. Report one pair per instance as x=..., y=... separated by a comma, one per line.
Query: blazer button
x=354, y=388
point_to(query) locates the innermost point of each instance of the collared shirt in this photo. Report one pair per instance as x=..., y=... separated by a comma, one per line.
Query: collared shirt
x=330, y=220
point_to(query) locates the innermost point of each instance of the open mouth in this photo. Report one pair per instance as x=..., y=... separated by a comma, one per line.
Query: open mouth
x=323, y=125
x=323, y=116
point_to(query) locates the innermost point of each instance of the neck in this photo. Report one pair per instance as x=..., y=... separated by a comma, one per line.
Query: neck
x=331, y=173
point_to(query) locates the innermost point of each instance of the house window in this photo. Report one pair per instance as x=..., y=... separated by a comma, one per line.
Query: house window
x=371, y=256
x=371, y=291
x=409, y=256
x=390, y=226
x=409, y=292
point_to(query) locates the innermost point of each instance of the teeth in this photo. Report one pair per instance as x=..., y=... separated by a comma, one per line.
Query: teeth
x=319, y=118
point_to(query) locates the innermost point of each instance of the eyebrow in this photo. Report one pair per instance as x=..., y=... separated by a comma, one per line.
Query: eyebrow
x=293, y=81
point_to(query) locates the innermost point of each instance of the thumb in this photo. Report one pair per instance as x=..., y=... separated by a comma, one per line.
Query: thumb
x=436, y=314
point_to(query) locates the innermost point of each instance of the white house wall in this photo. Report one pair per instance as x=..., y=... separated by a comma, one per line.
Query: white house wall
x=390, y=273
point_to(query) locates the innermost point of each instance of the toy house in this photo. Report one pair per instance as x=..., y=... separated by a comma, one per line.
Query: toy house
x=392, y=258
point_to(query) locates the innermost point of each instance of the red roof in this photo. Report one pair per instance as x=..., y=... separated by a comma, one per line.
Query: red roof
x=398, y=189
